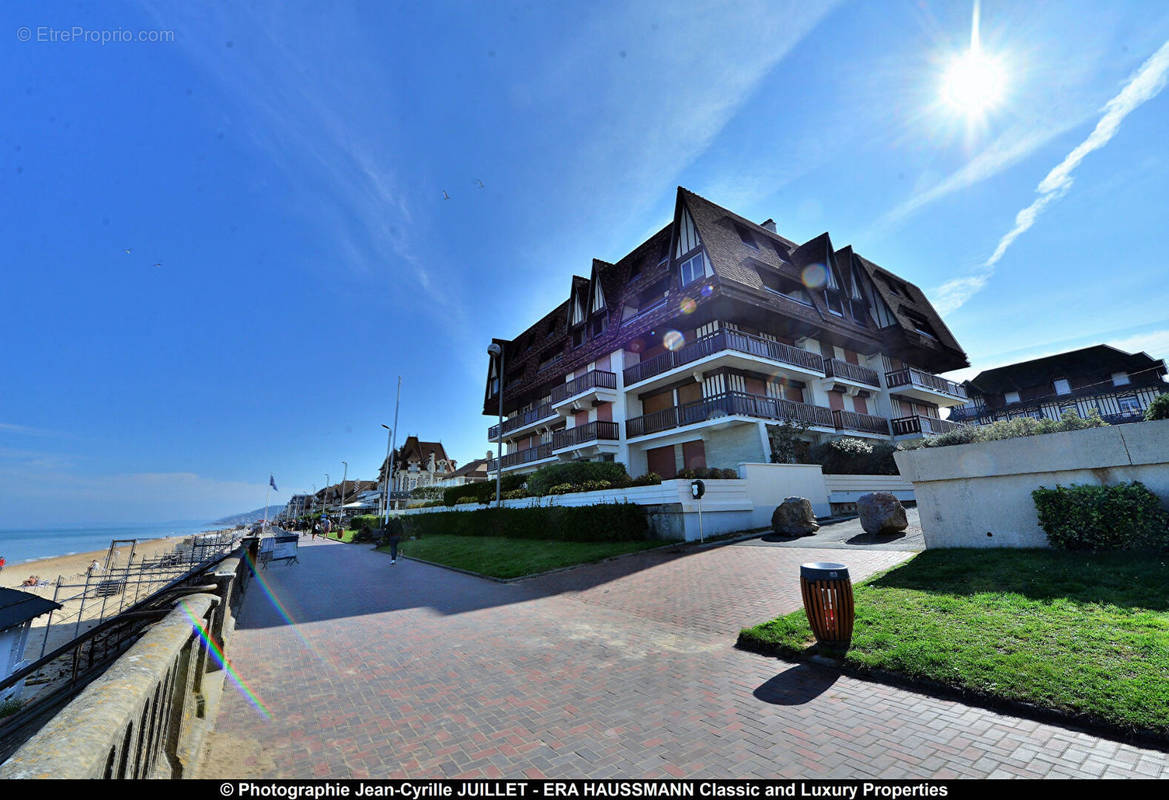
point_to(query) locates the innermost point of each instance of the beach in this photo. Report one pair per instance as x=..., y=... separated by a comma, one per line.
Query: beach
x=73, y=567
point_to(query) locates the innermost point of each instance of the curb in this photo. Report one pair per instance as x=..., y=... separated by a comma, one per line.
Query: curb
x=1018, y=708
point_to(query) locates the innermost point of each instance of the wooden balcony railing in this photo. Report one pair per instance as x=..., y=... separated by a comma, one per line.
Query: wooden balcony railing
x=721, y=341
x=929, y=426
x=855, y=421
x=593, y=431
x=729, y=404
x=924, y=380
x=596, y=379
x=520, y=457
x=835, y=368
x=521, y=420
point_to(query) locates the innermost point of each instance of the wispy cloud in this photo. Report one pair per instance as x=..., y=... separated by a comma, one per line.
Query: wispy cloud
x=25, y=430
x=1144, y=85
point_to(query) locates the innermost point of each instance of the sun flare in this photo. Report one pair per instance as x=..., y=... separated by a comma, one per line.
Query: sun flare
x=974, y=83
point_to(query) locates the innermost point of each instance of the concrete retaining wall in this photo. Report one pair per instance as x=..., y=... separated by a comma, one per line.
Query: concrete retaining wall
x=769, y=484
x=979, y=495
x=847, y=488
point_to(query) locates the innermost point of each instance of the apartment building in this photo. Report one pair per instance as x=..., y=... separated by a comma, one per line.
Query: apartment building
x=1117, y=385
x=684, y=352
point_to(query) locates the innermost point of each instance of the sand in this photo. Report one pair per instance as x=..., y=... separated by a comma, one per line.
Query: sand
x=72, y=568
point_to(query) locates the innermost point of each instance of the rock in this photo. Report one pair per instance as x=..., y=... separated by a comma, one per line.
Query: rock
x=794, y=517
x=881, y=512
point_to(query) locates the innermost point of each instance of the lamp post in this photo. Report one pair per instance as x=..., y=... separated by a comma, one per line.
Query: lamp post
x=341, y=505
x=495, y=351
x=325, y=500
x=385, y=509
x=390, y=465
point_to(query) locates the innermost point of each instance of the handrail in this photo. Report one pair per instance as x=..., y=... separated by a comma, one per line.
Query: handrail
x=835, y=368
x=911, y=376
x=521, y=420
x=593, y=379
x=720, y=341
x=729, y=404
x=592, y=431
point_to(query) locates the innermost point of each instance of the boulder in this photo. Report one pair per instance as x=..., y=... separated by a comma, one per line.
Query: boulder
x=881, y=512
x=794, y=517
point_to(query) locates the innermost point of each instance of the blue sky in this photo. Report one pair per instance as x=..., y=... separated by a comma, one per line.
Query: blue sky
x=284, y=166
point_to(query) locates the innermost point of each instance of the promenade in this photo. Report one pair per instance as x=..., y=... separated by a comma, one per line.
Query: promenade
x=622, y=669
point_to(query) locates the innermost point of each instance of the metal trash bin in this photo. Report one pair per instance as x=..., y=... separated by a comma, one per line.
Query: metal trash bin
x=827, y=592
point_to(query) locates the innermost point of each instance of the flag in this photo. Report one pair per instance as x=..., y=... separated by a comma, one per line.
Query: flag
x=272, y=482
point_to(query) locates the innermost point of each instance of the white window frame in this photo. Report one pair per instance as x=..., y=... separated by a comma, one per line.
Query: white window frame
x=1120, y=379
x=1007, y=397
x=696, y=265
x=1062, y=386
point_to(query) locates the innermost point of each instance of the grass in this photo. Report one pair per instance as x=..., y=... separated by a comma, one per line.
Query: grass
x=343, y=536
x=500, y=557
x=1083, y=634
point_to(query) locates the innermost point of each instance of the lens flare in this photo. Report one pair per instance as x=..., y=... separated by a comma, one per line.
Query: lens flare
x=217, y=653
x=814, y=276
x=276, y=604
x=707, y=290
x=673, y=340
x=688, y=306
x=635, y=346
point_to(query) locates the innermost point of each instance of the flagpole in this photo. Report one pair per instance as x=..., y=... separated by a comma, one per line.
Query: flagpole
x=267, y=496
x=390, y=466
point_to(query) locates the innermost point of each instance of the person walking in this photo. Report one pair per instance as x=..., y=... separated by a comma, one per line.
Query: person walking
x=393, y=534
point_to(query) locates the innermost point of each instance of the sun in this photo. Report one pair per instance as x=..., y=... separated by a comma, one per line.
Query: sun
x=974, y=83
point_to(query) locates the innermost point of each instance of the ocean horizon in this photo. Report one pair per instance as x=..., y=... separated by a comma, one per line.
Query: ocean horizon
x=21, y=545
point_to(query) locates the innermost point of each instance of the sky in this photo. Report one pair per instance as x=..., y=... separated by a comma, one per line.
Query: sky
x=226, y=237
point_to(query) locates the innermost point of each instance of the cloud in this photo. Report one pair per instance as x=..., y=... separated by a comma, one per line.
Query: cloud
x=1144, y=85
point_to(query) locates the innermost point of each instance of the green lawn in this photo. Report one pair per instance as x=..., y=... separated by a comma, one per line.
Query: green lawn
x=1082, y=633
x=511, y=558
x=343, y=536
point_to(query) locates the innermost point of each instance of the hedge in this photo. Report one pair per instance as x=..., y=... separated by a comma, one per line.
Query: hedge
x=482, y=492
x=576, y=472
x=1126, y=516
x=850, y=456
x=1009, y=429
x=604, y=522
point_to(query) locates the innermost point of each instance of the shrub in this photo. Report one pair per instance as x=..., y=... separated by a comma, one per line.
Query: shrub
x=465, y=500
x=1010, y=429
x=562, y=488
x=1158, y=409
x=787, y=443
x=1126, y=516
x=542, y=480
x=483, y=491
x=603, y=522
x=426, y=492
x=365, y=522
x=849, y=456
x=648, y=479
x=432, y=504
x=516, y=494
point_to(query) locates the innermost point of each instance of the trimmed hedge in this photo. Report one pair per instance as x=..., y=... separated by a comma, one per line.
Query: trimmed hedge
x=481, y=492
x=542, y=480
x=850, y=456
x=604, y=522
x=1126, y=516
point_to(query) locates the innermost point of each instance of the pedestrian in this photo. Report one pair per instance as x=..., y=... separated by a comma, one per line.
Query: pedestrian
x=94, y=567
x=2, y=563
x=393, y=534
x=316, y=529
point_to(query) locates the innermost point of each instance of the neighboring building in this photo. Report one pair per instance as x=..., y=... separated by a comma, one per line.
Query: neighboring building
x=1116, y=384
x=683, y=352
x=471, y=472
x=417, y=464
x=333, y=497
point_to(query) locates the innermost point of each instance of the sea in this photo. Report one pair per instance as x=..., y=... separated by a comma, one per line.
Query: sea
x=18, y=545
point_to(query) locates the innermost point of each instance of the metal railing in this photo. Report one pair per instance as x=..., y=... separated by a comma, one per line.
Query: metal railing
x=729, y=404
x=856, y=421
x=521, y=420
x=143, y=712
x=591, y=432
x=835, y=368
x=929, y=426
x=525, y=456
x=720, y=341
x=594, y=379
x=924, y=380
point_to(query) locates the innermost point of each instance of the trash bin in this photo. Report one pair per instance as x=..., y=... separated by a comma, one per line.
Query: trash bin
x=827, y=594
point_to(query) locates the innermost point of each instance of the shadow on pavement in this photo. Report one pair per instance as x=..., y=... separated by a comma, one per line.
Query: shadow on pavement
x=800, y=684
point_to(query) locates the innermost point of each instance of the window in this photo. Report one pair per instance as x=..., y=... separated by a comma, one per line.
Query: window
x=1129, y=404
x=1062, y=386
x=781, y=285
x=599, y=324
x=578, y=337
x=745, y=236
x=1011, y=397
x=1120, y=379
x=693, y=269
x=920, y=324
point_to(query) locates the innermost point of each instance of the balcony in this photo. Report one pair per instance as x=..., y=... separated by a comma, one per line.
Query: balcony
x=731, y=343
x=592, y=386
x=597, y=431
x=728, y=405
x=521, y=421
x=925, y=426
x=921, y=385
x=851, y=373
x=521, y=457
x=856, y=421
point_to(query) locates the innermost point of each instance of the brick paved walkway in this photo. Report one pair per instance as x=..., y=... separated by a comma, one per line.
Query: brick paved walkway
x=624, y=669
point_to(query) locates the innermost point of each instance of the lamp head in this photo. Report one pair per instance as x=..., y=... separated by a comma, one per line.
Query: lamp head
x=494, y=350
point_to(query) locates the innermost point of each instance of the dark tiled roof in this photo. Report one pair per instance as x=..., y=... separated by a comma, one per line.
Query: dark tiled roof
x=1099, y=360
x=17, y=607
x=471, y=468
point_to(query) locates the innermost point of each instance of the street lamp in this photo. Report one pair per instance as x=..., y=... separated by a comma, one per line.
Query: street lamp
x=325, y=500
x=341, y=507
x=385, y=513
x=495, y=351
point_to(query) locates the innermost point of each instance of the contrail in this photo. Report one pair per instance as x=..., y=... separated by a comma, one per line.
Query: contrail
x=1146, y=84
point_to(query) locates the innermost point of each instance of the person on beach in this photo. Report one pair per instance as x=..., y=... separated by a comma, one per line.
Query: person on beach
x=2, y=563
x=94, y=568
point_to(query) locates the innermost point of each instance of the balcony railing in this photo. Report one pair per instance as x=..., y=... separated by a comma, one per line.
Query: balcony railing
x=596, y=379
x=718, y=342
x=725, y=405
x=593, y=431
x=520, y=457
x=835, y=368
x=924, y=380
x=929, y=426
x=521, y=420
x=855, y=421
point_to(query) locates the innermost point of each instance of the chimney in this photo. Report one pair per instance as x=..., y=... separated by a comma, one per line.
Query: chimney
x=769, y=224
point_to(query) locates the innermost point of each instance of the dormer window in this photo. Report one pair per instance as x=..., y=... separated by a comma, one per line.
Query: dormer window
x=578, y=315
x=598, y=298
x=1120, y=379
x=687, y=235
x=1062, y=386
x=745, y=236
x=781, y=285
x=1011, y=397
